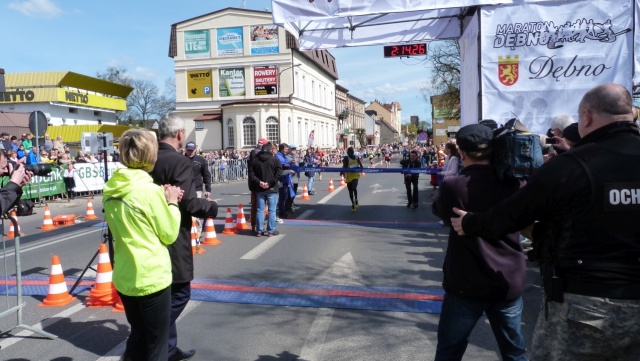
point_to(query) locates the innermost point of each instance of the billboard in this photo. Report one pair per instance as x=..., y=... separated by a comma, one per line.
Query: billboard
x=265, y=80
x=199, y=84
x=196, y=44
x=264, y=40
x=229, y=42
x=232, y=82
x=539, y=59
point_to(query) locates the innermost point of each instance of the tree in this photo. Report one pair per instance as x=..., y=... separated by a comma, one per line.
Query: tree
x=118, y=75
x=361, y=135
x=167, y=102
x=444, y=61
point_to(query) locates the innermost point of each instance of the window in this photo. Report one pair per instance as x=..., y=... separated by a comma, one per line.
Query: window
x=249, y=132
x=313, y=92
x=231, y=133
x=97, y=113
x=290, y=127
x=73, y=110
x=273, y=130
x=303, y=88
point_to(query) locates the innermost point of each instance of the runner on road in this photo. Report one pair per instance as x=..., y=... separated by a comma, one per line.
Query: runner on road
x=351, y=161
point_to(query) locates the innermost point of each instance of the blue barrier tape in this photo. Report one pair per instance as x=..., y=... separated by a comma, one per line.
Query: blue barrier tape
x=367, y=170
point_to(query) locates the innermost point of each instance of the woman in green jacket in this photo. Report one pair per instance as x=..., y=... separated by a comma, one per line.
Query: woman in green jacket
x=143, y=218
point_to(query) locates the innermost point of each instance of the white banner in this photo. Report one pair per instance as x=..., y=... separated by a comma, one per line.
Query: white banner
x=538, y=60
x=469, y=46
x=90, y=176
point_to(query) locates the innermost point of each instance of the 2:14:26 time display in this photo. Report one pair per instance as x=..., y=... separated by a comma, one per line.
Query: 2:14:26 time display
x=391, y=51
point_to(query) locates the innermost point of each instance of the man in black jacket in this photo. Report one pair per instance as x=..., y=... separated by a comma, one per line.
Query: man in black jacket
x=481, y=275
x=587, y=204
x=10, y=194
x=201, y=177
x=265, y=172
x=254, y=153
x=174, y=169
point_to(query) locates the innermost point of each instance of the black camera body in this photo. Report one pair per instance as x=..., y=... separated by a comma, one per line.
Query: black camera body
x=40, y=170
x=550, y=137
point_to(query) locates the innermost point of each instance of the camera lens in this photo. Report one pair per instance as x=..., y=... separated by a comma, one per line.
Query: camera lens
x=39, y=169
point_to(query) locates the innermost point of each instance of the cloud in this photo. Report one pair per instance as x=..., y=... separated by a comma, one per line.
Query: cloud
x=141, y=72
x=386, y=90
x=36, y=8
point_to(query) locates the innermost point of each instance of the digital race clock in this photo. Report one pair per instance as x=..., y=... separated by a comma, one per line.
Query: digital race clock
x=392, y=51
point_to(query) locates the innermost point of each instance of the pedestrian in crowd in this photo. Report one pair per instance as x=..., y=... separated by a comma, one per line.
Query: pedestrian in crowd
x=411, y=179
x=48, y=143
x=585, y=205
x=18, y=177
x=452, y=162
x=174, y=169
x=26, y=141
x=480, y=275
x=352, y=162
x=201, y=177
x=287, y=186
x=265, y=173
x=69, y=181
x=293, y=159
x=252, y=155
x=310, y=160
x=58, y=145
x=32, y=156
x=144, y=219
x=5, y=141
x=80, y=158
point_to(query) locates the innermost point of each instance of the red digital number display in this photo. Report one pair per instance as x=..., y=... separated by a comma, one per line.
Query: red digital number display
x=392, y=51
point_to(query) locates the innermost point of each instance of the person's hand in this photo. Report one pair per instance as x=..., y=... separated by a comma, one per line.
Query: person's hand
x=560, y=143
x=456, y=223
x=206, y=194
x=17, y=173
x=172, y=194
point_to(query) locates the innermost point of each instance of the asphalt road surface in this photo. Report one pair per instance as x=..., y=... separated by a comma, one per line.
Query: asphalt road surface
x=334, y=285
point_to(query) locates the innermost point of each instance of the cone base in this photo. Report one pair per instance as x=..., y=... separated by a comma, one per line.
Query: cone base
x=102, y=298
x=305, y=198
x=90, y=218
x=243, y=226
x=63, y=301
x=211, y=242
x=47, y=227
x=232, y=231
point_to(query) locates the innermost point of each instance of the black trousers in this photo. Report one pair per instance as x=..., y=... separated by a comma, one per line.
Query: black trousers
x=412, y=189
x=180, y=295
x=149, y=320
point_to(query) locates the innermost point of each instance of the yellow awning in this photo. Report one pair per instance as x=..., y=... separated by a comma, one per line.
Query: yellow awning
x=73, y=133
x=66, y=79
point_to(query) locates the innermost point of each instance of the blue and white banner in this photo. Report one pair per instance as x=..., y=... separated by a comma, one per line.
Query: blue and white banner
x=229, y=42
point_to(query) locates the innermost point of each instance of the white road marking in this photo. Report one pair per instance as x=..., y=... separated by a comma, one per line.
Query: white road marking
x=306, y=214
x=51, y=241
x=41, y=325
x=343, y=272
x=263, y=247
x=331, y=195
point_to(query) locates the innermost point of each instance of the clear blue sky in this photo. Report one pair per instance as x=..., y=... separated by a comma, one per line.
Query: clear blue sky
x=86, y=37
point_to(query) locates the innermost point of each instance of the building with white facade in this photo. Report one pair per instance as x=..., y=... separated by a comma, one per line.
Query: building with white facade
x=240, y=78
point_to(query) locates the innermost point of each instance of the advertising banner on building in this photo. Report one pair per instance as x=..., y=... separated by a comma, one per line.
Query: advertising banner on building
x=229, y=42
x=199, y=84
x=265, y=80
x=196, y=44
x=264, y=40
x=538, y=60
x=232, y=82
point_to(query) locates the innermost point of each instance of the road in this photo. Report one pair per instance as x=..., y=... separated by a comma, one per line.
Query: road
x=334, y=285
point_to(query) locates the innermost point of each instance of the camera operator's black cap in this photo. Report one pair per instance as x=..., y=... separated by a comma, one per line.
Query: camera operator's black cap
x=474, y=138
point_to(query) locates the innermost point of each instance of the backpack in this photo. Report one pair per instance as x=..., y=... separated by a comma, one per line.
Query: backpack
x=517, y=153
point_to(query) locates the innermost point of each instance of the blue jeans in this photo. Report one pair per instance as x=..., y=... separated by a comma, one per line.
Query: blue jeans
x=261, y=198
x=310, y=185
x=459, y=316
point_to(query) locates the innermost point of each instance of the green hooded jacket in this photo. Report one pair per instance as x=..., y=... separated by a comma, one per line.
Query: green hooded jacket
x=142, y=224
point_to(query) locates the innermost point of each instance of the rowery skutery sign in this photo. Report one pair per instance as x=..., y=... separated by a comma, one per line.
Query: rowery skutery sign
x=265, y=80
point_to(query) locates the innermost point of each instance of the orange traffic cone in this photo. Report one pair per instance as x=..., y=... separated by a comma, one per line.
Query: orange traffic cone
x=90, y=213
x=12, y=233
x=103, y=292
x=241, y=223
x=47, y=224
x=195, y=247
x=228, y=223
x=342, y=182
x=58, y=295
x=119, y=307
x=331, y=189
x=210, y=237
x=305, y=193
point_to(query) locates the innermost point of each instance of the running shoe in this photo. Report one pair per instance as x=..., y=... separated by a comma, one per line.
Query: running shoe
x=279, y=220
x=409, y=205
x=414, y=206
x=274, y=233
x=357, y=205
x=353, y=208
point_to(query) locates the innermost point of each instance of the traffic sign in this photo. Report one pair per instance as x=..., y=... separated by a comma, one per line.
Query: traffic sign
x=42, y=122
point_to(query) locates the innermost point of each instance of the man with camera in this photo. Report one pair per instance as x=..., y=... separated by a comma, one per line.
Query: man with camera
x=411, y=180
x=12, y=191
x=586, y=205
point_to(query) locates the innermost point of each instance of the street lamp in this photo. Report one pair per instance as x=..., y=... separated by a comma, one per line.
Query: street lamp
x=278, y=86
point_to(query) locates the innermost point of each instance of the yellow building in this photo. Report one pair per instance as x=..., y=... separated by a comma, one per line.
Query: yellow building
x=445, y=127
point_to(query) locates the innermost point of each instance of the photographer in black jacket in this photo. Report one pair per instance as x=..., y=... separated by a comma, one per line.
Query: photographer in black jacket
x=12, y=191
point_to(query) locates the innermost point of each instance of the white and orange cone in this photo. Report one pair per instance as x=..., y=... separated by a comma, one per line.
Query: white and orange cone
x=305, y=193
x=331, y=189
x=58, y=295
x=342, y=182
x=47, y=223
x=12, y=233
x=91, y=215
x=241, y=223
x=103, y=292
x=229, y=227
x=210, y=237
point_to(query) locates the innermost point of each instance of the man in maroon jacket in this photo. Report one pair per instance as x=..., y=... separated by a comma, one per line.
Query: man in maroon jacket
x=480, y=275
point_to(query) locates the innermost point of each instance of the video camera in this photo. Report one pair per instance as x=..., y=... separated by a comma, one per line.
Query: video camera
x=41, y=170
